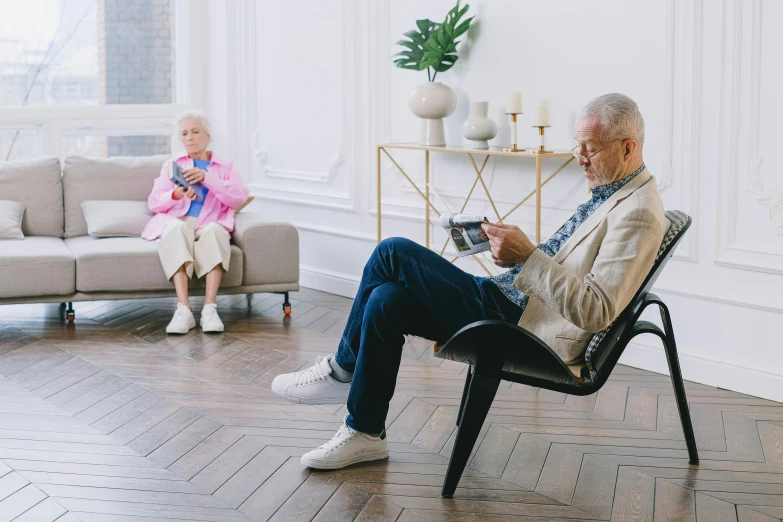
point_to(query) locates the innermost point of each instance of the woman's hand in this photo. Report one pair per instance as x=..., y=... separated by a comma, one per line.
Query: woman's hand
x=180, y=193
x=194, y=175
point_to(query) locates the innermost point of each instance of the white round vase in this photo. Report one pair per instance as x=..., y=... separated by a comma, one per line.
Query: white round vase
x=478, y=127
x=432, y=101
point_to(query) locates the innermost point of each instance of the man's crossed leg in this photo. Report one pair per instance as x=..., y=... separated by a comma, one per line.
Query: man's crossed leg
x=405, y=289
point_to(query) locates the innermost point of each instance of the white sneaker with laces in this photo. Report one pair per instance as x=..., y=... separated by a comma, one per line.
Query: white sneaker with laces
x=210, y=320
x=315, y=385
x=182, y=322
x=347, y=447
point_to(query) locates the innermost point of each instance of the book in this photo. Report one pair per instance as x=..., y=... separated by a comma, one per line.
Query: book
x=243, y=205
x=176, y=176
x=466, y=232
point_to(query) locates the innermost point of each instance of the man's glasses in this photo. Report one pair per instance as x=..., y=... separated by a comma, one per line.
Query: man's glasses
x=585, y=159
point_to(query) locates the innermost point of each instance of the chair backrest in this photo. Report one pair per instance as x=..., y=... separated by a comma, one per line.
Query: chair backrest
x=607, y=345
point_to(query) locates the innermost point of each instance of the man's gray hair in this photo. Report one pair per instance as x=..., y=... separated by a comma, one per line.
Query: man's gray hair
x=199, y=116
x=619, y=116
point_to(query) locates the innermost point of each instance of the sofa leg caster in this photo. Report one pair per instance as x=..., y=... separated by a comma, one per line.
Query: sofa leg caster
x=69, y=314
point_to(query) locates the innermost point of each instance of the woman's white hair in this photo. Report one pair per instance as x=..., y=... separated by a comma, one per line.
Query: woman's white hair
x=197, y=115
x=619, y=116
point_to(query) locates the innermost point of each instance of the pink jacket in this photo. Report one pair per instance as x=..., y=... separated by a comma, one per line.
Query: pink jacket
x=226, y=192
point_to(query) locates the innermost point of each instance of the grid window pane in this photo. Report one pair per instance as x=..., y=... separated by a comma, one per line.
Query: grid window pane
x=110, y=146
x=86, y=52
x=20, y=143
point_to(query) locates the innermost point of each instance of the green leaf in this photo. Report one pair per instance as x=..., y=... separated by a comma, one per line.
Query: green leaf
x=410, y=45
x=424, y=27
x=440, y=49
x=434, y=45
x=413, y=52
x=463, y=28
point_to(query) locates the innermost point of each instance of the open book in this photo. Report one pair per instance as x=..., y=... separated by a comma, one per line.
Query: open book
x=175, y=175
x=466, y=232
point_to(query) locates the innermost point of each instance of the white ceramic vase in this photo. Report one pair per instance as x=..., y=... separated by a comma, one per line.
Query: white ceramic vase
x=432, y=101
x=478, y=127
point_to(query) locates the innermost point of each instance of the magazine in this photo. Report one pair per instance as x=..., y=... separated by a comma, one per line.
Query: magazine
x=466, y=232
x=175, y=175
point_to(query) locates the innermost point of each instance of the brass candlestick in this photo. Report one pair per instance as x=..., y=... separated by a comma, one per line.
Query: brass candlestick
x=541, y=148
x=513, y=147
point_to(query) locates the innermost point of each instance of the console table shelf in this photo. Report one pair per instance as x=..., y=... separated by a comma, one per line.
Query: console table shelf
x=470, y=153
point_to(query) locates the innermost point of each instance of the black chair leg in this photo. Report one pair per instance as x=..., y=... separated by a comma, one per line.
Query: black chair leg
x=480, y=395
x=679, y=387
x=464, y=395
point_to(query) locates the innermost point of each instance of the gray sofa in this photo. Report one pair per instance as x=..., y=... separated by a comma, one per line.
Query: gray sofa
x=59, y=262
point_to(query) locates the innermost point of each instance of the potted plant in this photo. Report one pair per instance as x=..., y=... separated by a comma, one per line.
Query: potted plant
x=433, y=47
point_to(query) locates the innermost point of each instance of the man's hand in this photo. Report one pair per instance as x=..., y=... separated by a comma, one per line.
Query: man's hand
x=193, y=175
x=508, y=244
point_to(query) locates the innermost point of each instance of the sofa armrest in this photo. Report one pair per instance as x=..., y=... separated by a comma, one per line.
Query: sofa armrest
x=270, y=247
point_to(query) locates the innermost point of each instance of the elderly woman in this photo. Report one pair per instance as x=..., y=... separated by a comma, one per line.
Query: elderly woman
x=194, y=231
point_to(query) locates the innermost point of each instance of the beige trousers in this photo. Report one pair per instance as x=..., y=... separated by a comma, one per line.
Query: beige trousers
x=202, y=249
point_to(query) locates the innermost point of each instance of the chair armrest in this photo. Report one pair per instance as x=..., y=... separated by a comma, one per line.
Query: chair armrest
x=498, y=345
x=270, y=248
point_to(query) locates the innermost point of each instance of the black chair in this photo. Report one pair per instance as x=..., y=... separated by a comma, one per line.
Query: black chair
x=497, y=351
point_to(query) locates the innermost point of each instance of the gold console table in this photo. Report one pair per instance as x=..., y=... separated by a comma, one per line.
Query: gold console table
x=470, y=152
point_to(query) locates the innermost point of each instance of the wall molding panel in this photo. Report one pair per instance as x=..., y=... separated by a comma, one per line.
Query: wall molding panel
x=740, y=129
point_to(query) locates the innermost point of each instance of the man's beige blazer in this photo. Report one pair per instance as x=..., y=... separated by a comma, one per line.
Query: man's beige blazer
x=597, y=271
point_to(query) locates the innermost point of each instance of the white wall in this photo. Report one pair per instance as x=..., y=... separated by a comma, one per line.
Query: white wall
x=307, y=89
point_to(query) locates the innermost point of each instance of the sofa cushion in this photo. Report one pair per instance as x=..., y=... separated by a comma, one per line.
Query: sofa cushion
x=130, y=263
x=11, y=213
x=36, y=266
x=38, y=184
x=116, y=218
x=87, y=179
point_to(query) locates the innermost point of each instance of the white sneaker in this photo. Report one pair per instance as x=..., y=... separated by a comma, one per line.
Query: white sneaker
x=210, y=320
x=182, y=322
x=314, y=385
x=347, y=447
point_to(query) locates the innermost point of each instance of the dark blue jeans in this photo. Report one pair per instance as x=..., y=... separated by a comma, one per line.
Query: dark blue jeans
x=406, y=289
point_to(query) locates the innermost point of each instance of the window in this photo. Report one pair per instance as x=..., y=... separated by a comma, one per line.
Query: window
x=20, y=143
x=94, y=77
x=86, y=52
x=109, y=146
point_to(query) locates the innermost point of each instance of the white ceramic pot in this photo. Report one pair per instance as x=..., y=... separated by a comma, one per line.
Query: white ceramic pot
x=432, y=101
x=478, y=127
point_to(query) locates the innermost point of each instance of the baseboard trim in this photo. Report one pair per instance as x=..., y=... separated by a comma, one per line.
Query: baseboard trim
x=338, y=283
x=706, y=371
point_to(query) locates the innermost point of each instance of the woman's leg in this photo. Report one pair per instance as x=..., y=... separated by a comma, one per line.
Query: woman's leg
x=213, y=283
x=212, y=253
x=176, y=255
x=180, y=279
x=175, y=249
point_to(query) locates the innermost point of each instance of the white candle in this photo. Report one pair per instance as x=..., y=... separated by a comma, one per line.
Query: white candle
x=514, y=103
x=541, y=115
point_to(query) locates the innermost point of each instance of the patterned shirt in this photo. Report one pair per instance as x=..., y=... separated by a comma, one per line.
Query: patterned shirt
x=505, y=281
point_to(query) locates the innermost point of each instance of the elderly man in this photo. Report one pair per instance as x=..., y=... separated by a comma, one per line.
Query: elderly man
x=580, y=280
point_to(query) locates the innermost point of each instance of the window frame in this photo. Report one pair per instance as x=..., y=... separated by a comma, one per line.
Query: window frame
x=191, y=81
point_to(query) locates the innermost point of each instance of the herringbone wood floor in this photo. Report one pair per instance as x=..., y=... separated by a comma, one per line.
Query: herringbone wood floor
x=110, y=419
